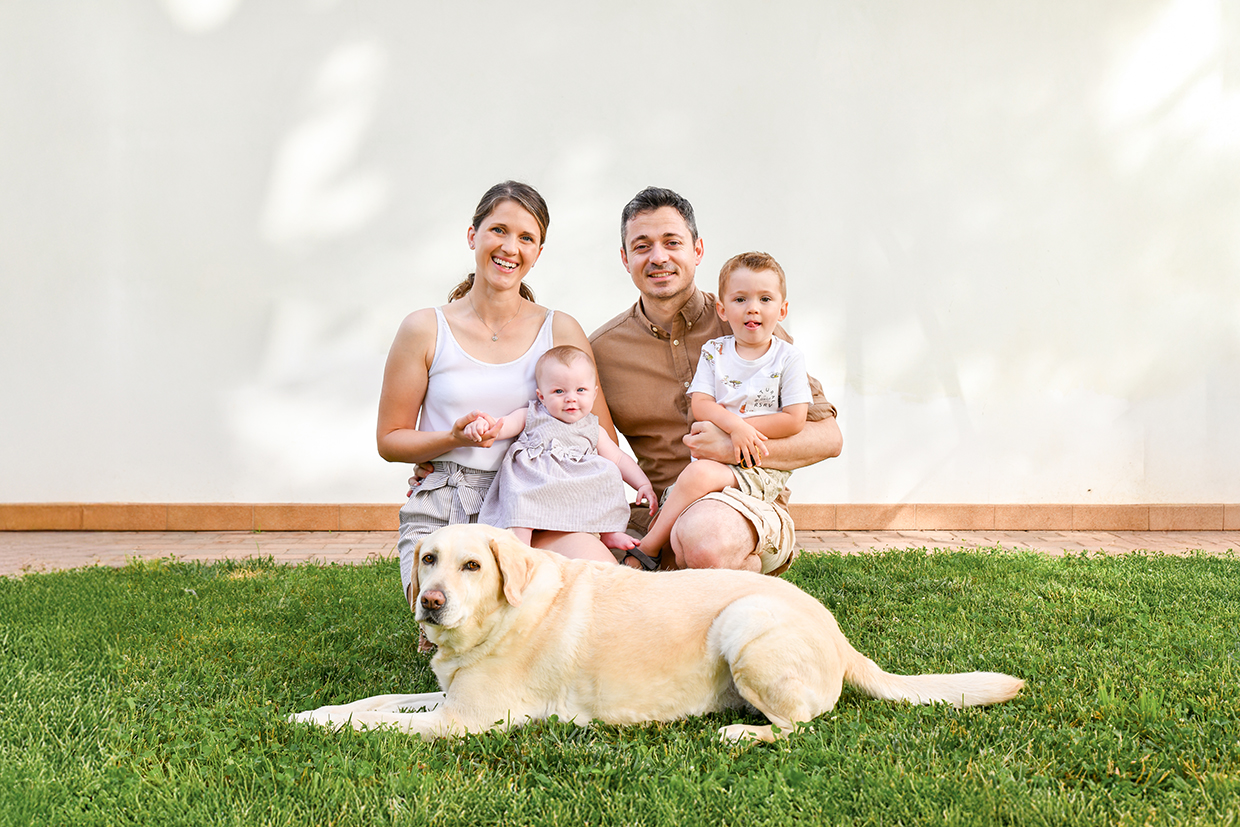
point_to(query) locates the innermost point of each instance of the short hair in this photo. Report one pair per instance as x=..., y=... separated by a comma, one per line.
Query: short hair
x=566, y=355
x=651, y=199
x=757, y=262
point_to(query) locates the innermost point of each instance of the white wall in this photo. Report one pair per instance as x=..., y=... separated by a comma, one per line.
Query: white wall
x=1012, y=230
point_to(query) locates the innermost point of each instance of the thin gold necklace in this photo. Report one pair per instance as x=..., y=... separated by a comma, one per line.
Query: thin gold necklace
x=494, y=333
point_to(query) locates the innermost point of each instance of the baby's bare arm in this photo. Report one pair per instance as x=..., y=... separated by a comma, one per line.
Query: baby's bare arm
x=630, y=471
x=508, y=426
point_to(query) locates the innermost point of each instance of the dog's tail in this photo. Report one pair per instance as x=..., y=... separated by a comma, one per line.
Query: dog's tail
x=960, y=689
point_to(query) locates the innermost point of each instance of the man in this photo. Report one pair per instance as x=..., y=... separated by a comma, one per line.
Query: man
x=646, y=359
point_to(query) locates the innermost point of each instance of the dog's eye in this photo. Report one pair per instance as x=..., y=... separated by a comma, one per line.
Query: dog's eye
x=472, y=565
x=428, y=559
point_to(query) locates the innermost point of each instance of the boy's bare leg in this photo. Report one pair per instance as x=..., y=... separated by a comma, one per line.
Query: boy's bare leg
x=695, y=482
x=525, y=535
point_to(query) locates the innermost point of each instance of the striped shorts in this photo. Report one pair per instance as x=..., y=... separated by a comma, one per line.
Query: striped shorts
x=449, y=495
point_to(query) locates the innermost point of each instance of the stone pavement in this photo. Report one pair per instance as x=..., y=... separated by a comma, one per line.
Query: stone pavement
x=35, y=551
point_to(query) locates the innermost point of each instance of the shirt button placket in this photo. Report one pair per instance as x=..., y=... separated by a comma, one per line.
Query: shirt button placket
x=680, y=358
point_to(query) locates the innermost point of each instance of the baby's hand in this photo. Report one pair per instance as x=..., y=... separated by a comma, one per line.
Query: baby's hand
x=747, y=445
x=476, y=431
x=645, y=496
x=476, y=427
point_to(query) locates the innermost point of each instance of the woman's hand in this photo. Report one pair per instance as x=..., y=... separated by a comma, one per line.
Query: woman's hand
x=476, y=428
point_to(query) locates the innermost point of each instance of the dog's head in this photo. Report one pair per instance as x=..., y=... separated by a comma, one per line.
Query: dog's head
x=464, y=574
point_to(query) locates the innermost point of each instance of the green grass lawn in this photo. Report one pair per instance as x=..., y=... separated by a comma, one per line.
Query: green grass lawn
x=157, y=694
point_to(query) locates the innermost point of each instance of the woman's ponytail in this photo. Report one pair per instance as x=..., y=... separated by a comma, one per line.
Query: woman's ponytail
x=465, y=286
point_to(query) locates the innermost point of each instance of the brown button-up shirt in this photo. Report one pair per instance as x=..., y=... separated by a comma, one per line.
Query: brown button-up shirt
x=645, y=372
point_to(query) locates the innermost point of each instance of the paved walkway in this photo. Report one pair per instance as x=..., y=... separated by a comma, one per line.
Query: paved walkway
x=23, y=551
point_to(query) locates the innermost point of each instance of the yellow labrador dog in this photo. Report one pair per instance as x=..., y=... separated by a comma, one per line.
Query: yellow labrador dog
x=524, y=634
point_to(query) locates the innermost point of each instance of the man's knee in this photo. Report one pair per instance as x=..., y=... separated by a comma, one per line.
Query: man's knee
x=712, y=535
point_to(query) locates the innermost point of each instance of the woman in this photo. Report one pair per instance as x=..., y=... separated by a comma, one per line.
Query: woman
x=477, y=353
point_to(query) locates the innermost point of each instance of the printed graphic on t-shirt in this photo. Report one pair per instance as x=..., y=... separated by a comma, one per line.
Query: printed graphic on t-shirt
x=763, y=397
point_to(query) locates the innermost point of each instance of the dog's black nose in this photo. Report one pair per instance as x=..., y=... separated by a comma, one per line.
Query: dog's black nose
x=432, y=600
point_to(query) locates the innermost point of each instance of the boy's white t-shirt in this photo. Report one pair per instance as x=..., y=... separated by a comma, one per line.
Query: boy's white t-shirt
x=764, y=386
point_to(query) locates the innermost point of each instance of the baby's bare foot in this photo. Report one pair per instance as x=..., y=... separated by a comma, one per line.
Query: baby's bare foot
x=618, y=540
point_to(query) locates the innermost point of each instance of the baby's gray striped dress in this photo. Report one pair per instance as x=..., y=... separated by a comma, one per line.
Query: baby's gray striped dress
x=553, y=479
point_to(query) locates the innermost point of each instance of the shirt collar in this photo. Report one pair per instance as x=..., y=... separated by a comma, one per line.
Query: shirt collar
x=689, y=315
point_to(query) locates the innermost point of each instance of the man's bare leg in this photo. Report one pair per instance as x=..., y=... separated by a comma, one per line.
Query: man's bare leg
x=713, y=535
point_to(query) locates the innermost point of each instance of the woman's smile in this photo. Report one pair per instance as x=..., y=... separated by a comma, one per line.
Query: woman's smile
x=507, y=243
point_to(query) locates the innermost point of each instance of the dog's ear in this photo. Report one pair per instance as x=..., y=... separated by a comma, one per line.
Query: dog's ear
x=412, y=593
x=516, y=563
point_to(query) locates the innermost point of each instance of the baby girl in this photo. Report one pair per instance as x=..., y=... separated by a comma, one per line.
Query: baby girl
x=564, y=472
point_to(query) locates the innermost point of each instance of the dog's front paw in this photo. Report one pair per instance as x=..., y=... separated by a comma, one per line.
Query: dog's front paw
x=317, y=717
x=740, y=733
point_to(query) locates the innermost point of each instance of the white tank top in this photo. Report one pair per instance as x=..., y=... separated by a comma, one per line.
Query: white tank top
x=458, y=383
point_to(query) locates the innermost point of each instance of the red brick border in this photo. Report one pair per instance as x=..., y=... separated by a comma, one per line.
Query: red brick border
x=807, y=516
